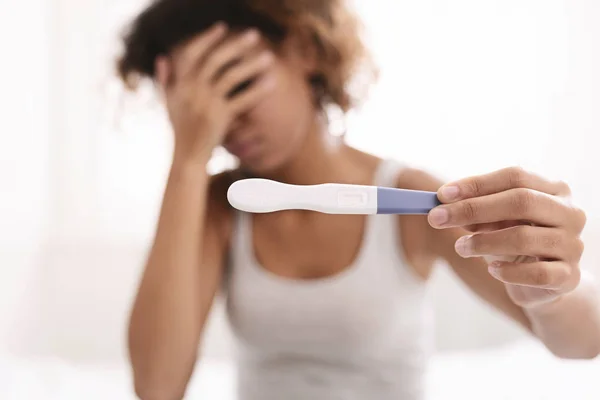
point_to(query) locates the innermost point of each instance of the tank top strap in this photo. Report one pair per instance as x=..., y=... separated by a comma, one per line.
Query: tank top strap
x=384, y=233
x=242, y=235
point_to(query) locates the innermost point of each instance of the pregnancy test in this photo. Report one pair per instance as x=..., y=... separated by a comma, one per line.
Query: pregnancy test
x=264, y=196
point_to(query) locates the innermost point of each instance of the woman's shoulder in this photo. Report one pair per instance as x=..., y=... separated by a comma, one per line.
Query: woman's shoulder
x=418, y=179
x=219, y=212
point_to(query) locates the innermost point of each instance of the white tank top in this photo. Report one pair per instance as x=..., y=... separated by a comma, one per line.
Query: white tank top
x=365, y=333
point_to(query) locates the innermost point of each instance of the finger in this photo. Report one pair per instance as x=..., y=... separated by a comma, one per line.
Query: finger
x=499, y=181
x=247, y=99
x=188, y=57
x=554, y=275
x=493, y=226
x=515, y=204
x=228, y=54
x=243, y=72
x=523, y=240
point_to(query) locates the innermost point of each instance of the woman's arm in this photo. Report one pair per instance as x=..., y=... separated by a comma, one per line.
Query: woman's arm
x=186, y=262
x=569, y=326
x=179, y=283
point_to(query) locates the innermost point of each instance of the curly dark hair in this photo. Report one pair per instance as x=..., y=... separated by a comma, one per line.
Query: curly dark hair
x=330, y=24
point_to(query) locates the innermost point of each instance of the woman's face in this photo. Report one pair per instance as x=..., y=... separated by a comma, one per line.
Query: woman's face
x=270, y=134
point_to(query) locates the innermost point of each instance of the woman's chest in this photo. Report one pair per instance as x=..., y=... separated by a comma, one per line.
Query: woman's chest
x=355, y=311
x=307, y=248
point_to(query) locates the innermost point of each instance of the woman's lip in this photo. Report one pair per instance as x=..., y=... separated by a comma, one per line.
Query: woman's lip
x=242, y=149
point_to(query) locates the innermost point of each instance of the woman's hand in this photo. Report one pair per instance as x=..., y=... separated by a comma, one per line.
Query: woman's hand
x=523, y=225
x=197, y=81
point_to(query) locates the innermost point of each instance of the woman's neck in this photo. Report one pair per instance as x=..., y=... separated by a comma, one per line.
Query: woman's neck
x=322, y=158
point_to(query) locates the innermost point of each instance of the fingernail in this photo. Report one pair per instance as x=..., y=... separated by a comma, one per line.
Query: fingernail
x=494, y=270
x=450, y=192
x=251, y=36
x=463, y=246
x=220, y=26
x=438, y=216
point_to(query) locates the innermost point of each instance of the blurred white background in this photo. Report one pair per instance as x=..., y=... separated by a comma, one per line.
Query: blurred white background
x=467, y=86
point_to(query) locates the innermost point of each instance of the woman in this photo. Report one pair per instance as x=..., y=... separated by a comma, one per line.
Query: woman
x=323, y=306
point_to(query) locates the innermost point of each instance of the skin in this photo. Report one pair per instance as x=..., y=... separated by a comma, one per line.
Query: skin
x=277, y=132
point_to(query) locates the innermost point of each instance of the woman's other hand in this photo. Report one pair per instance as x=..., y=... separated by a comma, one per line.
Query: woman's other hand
x=197, y=81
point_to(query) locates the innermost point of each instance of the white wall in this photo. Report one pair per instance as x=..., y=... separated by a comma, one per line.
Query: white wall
x=522, y=73
x=24, y=155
